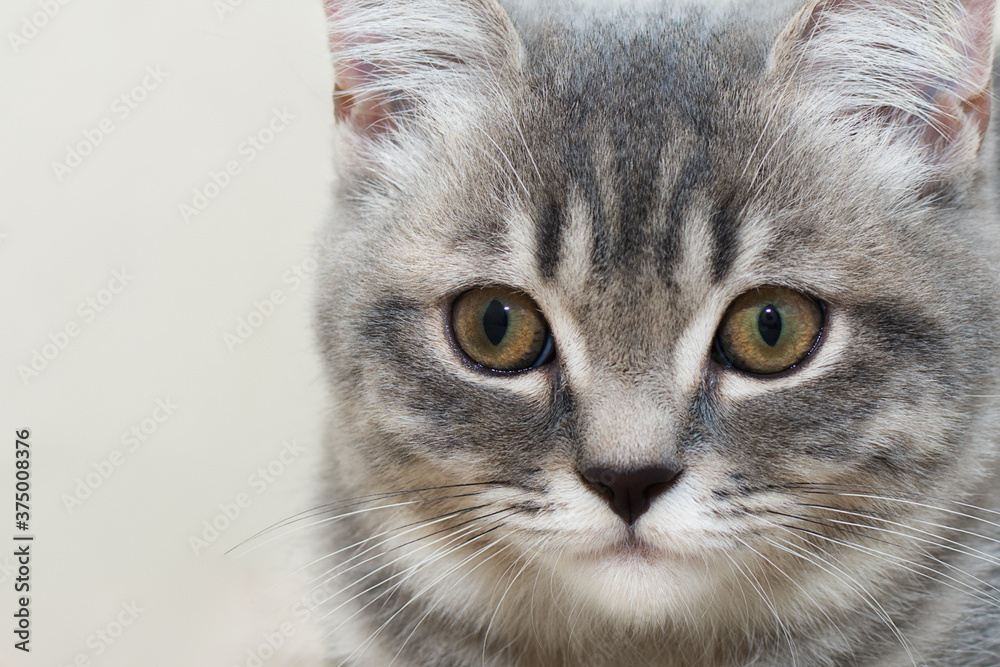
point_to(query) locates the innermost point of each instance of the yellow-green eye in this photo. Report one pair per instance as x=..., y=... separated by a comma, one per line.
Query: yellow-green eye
x=501, y=329
x=769, y=330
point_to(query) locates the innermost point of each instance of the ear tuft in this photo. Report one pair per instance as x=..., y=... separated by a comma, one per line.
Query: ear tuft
x=395, y=59
x=919, y=68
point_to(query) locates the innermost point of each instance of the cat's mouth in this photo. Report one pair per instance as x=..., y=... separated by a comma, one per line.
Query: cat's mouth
x=631, y=548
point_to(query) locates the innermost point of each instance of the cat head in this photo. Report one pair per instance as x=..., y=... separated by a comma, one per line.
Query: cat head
x=653, y=306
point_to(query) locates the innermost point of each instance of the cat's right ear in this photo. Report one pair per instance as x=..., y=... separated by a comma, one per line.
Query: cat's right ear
x=402, y=64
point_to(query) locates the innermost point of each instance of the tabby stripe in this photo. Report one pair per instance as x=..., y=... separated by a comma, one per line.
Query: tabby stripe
x=637, y=182
x=551, y=221
x=725, y=238
x=668, y=250
x=388, y=326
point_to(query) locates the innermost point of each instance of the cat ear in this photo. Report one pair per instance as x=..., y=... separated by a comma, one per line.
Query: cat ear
x=397, y=61
x=917, y=67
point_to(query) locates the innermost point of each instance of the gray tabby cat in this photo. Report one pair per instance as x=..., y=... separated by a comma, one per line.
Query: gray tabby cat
x=663, y=335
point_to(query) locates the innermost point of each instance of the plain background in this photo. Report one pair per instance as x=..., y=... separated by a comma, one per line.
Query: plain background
x=225, y=70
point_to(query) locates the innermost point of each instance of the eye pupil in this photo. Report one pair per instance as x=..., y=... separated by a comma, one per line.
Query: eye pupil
x=495, y=322
x=768, y=330
x=769, y=325
x=501, y=329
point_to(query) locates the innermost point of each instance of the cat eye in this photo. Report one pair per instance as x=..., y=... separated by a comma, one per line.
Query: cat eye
x=769, y=330
x=501, y=329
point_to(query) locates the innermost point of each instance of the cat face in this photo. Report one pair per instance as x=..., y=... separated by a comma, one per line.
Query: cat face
x=664, y=313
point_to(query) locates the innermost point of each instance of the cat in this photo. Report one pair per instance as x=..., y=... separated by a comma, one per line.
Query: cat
x=662, y=335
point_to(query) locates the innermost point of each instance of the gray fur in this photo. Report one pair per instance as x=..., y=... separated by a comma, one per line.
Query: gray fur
x=634, y=168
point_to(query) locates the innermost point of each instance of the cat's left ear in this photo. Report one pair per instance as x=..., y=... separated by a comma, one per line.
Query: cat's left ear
x=917, y=68
x=406, y=63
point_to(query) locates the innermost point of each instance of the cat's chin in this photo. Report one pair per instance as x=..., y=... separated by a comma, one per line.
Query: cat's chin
x=635, y=584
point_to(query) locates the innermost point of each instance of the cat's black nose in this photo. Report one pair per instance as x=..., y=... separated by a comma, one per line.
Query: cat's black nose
x=630, y=492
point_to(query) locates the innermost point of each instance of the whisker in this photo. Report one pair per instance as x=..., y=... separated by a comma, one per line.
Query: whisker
x=512, y=511
x=895, y=495
x=408, y=529
x=795, y=583
x=926, y=554
x=496, y=610
x=739, y=582
x=840, y=575
x=531, y=598
x=341, y=517
x=781, y=628
x=511, y=171
x=357, y=545
x=368, y=642
x=447, y=530
x=361, y=500
x=440, y=552
x=910, y=566
x=942, y=541
x=820, y=522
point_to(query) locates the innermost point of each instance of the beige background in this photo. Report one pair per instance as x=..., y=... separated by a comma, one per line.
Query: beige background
x=199, y=77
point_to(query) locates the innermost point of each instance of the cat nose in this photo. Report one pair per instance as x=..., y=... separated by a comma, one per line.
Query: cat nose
x=630, y=492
